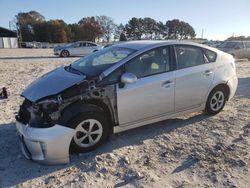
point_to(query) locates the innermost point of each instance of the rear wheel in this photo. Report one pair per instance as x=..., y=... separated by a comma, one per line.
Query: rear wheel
x=64, y=53
x=216, y=100
x=91, y=130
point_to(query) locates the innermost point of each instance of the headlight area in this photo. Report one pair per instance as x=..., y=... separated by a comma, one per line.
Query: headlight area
x=43, y=114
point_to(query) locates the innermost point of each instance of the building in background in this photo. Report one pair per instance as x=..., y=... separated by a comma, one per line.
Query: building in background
x=8, y=38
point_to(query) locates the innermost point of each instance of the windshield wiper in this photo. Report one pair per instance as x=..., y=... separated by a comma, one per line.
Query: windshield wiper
x=74, y=70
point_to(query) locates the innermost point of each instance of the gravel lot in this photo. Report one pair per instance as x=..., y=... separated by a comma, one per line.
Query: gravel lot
x=194, y=150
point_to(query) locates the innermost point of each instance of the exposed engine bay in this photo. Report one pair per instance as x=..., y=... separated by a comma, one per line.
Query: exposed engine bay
x=48, y=111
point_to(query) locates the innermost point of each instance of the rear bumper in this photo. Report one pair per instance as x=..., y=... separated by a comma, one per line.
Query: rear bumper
x=233, y=84
x=45, y=145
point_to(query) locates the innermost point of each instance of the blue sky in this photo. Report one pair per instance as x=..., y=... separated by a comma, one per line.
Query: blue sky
x=219, y=18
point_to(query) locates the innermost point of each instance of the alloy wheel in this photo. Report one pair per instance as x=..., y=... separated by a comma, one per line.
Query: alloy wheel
x=88, y=133
x=217, y=101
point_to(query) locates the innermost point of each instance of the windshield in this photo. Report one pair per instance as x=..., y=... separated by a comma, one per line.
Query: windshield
x=96, y=63
x=228, y=45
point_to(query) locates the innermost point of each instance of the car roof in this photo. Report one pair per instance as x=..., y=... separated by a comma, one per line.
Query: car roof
x=142, y=44
x=230, y=41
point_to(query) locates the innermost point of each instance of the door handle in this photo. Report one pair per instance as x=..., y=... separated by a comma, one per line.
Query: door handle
x=207, y=72
x=167, y=83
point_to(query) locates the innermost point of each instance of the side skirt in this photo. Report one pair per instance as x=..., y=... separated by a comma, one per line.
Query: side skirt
x=121, y=128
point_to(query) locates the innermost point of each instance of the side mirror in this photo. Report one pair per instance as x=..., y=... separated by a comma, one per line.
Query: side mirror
x=237, y=47
x=128, y=78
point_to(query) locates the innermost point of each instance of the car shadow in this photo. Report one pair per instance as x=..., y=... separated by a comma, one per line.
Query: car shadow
x=28, y=57
x=188, y=163
x=243, y=89
x=15, y=169
x=37, y=57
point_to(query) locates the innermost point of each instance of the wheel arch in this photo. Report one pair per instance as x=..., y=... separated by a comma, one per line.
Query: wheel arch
x=91, y=105
x=220, y=85
x=100, y=104
x=74, y=109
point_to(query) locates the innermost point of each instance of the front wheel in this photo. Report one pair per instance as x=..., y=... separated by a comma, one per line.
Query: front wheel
x=64, y=53
x=91, y=130
x=216, y=101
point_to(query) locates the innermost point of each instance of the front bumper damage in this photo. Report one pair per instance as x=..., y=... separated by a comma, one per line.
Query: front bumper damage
x=45, y=145
x=49, y=104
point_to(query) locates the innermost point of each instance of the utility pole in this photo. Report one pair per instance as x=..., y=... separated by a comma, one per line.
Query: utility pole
x=202, y=32
x=19, y=34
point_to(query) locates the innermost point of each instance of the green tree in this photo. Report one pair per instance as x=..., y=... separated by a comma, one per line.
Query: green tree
x=150, y=28
x=25, y=22
x=239, y=38
x=134, y=28
x=122, y=37
x=56, y=32
x=41, y=33
x=176, y=29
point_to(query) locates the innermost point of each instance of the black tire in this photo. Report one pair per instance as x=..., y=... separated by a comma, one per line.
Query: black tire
x=64, y=53
x=211, y=107
x=100, y=117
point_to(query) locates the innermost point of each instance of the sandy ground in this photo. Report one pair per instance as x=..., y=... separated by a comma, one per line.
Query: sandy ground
x=194, y=150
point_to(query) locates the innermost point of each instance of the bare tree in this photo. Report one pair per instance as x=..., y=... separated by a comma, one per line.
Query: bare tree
x=108, y=26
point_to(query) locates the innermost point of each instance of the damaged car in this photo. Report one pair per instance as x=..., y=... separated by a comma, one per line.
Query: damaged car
x=127, y=85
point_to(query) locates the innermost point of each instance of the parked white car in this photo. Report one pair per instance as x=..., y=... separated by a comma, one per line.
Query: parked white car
x=120, y=87
x=80, y=48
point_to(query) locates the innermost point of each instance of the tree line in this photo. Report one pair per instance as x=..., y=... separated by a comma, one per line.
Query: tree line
x=239, y=38
x=32, y=26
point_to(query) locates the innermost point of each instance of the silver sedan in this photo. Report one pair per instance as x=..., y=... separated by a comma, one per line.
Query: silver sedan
x=80, y=48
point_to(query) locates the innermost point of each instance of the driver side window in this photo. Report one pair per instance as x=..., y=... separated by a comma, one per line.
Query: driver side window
x=77, y=44
x=114, y=77
x=150, y=63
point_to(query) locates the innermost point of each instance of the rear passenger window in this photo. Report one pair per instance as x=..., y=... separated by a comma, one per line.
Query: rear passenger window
x=210, y=55
x=188, y=56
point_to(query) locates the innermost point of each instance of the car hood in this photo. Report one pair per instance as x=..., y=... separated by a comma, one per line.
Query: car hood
x=51, y=83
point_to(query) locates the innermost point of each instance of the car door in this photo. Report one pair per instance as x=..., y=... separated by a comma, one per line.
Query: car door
x=75, y=48
x=152, y=95
x=193, y=77
x=83, y=48
x=90, y=47
x=86, y=48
